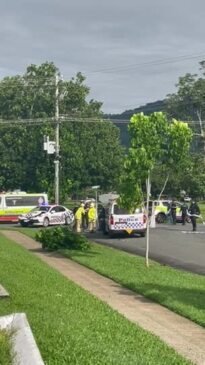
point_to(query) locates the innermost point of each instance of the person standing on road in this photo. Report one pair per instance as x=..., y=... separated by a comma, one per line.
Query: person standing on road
x=92, y=218
x=78, y=217
x=85, y=216
x=173, y=208
x=194, y=212
x=184, y=210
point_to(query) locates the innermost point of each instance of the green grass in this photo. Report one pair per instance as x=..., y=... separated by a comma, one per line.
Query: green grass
x=5, y=348
x=180, y=291
x=202, y=209
x=70, y=325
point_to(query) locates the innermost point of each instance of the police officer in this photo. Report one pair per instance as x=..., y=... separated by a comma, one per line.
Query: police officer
x=194, y=211
x=173, y=208
x=184, y=210
x=79, y=217
x=92, y=218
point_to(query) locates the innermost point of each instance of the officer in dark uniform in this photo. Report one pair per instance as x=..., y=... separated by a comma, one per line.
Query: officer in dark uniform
x=173, y=208
x=184, y=210
x=194, y=211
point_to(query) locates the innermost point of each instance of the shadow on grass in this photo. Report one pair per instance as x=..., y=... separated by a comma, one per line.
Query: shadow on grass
x=77, y=253
x=64, y=253
x=168, y=295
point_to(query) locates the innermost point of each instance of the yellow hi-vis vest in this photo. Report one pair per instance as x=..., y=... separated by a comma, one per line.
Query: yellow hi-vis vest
x=92, y=214
x=79, y=213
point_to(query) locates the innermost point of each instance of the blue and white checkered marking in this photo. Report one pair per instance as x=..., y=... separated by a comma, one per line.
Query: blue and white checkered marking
x=128, y=225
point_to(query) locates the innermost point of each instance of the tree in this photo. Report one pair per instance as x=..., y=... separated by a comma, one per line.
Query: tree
x=188, y=103
x=89, y=147
x=154, y=142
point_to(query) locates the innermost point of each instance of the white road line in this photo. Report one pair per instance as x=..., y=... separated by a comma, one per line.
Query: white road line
x=196, y=232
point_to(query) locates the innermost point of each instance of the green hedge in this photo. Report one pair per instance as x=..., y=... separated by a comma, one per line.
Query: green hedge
x=61, y=237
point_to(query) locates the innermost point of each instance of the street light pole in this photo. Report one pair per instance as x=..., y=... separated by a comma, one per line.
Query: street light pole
x=57, y=146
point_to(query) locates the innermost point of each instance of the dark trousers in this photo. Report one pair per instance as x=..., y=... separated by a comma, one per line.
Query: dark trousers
x=173, y=216
x=85, y=221
x=193, y=221
x=183, y=218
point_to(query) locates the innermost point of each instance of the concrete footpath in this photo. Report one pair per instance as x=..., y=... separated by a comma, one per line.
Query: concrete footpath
x=186, y=337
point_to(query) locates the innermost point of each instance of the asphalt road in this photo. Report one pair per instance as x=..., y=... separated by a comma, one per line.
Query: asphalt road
x=176, y=246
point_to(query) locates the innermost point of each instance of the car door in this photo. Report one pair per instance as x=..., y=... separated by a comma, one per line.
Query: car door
x=52, y=215
x=57, y=215
x=62, y=214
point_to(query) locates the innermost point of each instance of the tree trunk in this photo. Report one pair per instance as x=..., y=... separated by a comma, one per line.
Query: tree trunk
x=164, y=186
x=147, y=241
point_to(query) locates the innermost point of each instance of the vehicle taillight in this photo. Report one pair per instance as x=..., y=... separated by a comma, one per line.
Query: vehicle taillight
x=111, y=220
x=144, y=218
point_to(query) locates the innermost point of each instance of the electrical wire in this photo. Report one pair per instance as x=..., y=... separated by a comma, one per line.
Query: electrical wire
x=68, y=119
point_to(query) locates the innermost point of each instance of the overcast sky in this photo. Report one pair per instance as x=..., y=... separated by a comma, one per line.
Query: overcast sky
x=130, y=51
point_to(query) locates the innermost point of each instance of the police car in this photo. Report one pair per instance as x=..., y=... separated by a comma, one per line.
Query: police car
x=119, y=220
x=162, y=211
x=46, y=215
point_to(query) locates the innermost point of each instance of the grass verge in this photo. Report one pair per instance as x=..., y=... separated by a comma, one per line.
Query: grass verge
x=180, y=291
x=70, y=325
x=5, y=348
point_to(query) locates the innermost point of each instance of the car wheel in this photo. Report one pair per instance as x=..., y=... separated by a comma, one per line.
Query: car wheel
x=46, y=222
x=160, y=218
x=23, y=224
x=143, y=234
x=68, y=221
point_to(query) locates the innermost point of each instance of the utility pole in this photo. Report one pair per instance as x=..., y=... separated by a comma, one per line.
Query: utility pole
x=57, y=146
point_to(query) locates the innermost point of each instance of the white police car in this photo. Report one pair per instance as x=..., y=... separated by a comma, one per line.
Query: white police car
x=119, y=220
x=46, y=215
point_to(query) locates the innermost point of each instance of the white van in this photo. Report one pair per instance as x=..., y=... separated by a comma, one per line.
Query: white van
x=12, y=204
x=119, y=220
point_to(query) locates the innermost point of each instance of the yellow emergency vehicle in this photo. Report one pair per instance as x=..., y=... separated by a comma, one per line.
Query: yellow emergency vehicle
x=12, y=204
x=161, y=210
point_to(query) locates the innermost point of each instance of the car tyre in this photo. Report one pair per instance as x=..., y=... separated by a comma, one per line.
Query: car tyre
x=143, y=234
x=68, y=221
x=160, y=218
x=23, y=224
x=46, y=222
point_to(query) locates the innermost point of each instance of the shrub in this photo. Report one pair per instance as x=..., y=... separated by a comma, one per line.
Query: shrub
x=61, y=237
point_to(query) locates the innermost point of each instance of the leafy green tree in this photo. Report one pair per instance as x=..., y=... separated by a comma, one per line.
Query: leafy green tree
x=90, y=148
x=154, y=141
x=188, y=104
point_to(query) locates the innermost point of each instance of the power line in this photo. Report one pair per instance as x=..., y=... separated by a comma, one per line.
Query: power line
x=150, y=63
x=70, y=119
x=125, y=67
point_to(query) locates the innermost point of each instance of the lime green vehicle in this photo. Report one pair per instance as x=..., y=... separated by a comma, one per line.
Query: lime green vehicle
x=162, y=210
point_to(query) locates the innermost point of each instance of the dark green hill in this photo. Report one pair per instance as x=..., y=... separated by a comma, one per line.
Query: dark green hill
x=122, y=120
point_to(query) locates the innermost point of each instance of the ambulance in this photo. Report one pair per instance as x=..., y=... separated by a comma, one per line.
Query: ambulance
x=119, y=220
x=13, y=204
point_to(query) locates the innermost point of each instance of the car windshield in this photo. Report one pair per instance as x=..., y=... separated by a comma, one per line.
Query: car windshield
x=41, y=209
